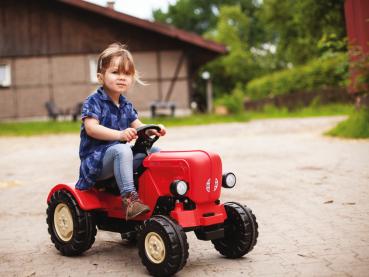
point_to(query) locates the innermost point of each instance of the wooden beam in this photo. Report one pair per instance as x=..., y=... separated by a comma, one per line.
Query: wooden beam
x=175, y=77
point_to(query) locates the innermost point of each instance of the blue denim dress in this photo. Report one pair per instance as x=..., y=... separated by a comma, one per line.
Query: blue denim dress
x=91, y=151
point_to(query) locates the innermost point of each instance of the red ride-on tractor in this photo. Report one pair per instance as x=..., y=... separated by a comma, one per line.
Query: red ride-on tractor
x=182, y=189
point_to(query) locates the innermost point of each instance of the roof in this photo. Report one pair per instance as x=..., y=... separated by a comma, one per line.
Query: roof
x=163, y=29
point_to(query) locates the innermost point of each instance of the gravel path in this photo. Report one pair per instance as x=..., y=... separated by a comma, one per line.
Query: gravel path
x=308, y=192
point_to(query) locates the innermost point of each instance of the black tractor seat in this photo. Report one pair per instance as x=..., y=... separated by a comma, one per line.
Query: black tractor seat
x=110, y=185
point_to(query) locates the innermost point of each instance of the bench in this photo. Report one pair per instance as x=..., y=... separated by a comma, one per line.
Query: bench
x=77, y=111
x=162, y=108
x=54, y=111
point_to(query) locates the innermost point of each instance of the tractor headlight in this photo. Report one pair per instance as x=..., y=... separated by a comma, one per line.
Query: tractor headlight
x=178, y=188
x=228, y=180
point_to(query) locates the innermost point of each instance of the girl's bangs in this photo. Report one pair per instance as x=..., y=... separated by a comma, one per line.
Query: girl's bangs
x=126, y=66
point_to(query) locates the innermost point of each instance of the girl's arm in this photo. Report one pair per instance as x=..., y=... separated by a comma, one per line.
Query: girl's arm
x=97, y=131
x=137, y=123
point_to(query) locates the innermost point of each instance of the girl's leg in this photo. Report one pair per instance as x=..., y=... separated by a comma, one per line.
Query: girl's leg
x=118, y=161
x=139, y=157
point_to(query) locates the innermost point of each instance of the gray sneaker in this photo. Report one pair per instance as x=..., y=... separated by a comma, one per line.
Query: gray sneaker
x=133, y=206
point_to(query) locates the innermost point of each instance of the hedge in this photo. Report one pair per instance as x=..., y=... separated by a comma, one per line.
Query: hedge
x=318, y=74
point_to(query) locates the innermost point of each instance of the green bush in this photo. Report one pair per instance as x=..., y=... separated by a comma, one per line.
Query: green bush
x=328, y=71
x=233, y=102
x=356, y=126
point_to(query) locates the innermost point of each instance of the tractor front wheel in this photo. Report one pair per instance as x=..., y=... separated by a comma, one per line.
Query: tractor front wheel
x=72, y=229
x=162, y=246
x=240, y=231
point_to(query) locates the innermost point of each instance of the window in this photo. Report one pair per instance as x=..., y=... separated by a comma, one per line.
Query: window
x=5, y=78
x=93, y=70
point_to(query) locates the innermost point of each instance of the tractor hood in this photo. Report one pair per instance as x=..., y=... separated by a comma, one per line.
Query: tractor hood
x=200, y=169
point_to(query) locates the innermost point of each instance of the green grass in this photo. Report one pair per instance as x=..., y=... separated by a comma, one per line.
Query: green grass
x=356, y=126
x=59, y=127
x=38, y=128
x=198, y=119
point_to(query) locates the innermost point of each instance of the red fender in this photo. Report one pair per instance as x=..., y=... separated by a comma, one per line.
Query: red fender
x=87, y=199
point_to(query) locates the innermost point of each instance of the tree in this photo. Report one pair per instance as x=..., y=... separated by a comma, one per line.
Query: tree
x=297, y=26
x=202, y=16
x=262, y=35
x=238, y=66
x=231, y=22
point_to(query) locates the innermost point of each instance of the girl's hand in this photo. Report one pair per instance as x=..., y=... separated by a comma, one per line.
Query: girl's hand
x=162, y=131
x=128, y=134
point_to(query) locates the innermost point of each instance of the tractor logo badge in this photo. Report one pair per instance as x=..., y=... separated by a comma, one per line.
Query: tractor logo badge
x=208, y=184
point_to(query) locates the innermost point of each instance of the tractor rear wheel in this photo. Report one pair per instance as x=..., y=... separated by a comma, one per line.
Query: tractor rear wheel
x=240, y=231
x=162, y=246
x=72, y=229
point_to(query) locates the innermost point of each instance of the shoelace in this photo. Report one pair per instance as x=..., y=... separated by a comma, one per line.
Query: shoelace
x=133, y=196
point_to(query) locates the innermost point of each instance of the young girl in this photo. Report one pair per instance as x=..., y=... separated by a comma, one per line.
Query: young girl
x=108, y=119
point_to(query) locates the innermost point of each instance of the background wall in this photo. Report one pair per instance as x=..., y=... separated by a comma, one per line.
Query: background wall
x=66, y=79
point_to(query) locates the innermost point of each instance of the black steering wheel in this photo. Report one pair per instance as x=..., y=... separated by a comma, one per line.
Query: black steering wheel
x=144, y=142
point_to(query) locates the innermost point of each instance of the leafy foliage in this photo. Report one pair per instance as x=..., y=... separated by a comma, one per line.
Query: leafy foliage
x=233, y=102
x=356, y=126
x=323, y=72
x=194, y=16
x=202, y=16
x=360, y=69
x=264, y=37
x=297, y=26
x=238, y=66
x=230, y=22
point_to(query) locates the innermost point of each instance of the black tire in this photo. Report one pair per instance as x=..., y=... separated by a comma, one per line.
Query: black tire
x=240, y=231
x=175, y=247
x=83, y=230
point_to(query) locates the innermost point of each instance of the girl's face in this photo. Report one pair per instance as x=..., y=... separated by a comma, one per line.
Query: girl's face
x=115, y=82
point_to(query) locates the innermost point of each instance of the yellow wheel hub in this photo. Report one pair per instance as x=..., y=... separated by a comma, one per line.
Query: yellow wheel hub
x=63, y=222
x=154, y=248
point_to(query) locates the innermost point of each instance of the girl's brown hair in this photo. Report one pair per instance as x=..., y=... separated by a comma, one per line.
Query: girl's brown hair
x=126, y=64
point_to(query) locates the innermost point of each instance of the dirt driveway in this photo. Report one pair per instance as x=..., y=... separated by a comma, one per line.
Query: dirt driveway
x=308, y=192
